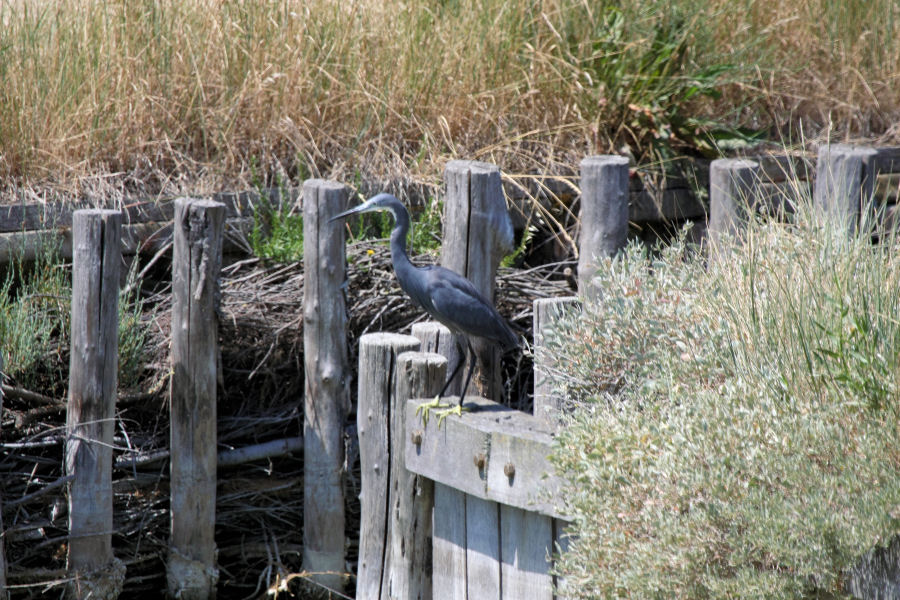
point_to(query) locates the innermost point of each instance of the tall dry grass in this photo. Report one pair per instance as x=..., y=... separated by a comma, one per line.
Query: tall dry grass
x=166, y=89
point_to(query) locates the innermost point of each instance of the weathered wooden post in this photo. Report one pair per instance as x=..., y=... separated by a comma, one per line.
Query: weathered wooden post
x=547, y=401
x=196, y=260
x=604, y=213
x=411, y=499
x=3, y=593
x=477, y=234
x=377, y=365
x=326, y=388
x=731, y=186
x=435, y=337
x=96, y=258
x=844, y=181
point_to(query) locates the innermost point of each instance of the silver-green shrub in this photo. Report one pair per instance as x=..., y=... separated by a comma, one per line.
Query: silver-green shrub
x=734, y=426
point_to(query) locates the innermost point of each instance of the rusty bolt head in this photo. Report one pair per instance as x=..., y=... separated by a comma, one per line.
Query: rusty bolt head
x=417, y=437
x=479, y=460
x=509, y=469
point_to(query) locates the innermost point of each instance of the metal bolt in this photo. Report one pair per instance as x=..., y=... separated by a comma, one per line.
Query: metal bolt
x=479, y=460
x=509, y=470
x=417, y=437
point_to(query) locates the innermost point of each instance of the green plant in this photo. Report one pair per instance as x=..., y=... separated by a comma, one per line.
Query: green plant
x=277, y=232
x=735, y=428
x=35, y=316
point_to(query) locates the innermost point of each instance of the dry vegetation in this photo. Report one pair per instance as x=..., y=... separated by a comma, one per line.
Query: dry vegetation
x=157, y=95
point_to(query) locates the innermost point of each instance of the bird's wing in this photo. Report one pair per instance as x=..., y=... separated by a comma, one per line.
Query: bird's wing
x=458, y=304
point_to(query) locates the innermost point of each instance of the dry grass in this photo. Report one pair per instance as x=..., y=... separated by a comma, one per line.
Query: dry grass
x=156, y=94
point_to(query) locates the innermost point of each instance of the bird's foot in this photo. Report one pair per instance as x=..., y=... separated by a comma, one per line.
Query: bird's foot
x=442, y=410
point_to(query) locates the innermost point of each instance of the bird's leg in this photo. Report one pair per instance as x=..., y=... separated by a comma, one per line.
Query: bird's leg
x=458, y=410
x=442, y=410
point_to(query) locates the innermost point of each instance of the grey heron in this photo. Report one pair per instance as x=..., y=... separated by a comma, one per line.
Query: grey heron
x=447, y=296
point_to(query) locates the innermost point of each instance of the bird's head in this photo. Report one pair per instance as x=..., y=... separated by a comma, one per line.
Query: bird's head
x=381, y=201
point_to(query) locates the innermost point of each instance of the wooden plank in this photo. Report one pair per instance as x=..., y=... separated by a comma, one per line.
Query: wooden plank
x=90, y=417
x=377, y=365
x=482, y=549
x=197, y=258
x=886, y=160
x=526, y=547
x=491, y=437
x=326, y=386
x=449, y=544
x=517, y=472
x=407, y=574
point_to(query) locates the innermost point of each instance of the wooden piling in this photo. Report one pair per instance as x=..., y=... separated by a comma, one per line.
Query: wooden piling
x=326, y=388
x=547, y=401
x=731, y=185
x=91, y=406
x=844, y=181
x=196, y=261
x=377, y=365
x=407, y=575
x=477, y=234
x=435, y=337
x=604, y=213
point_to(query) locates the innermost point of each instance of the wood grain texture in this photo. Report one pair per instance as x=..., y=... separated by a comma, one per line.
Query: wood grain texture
x=526, y=547
x=407, y=575
x=377, y=365
x=435, y=337
x=482, y=548
x=477, y=234
x=604, y=212
x=92, y=387
x=196, y=261
x=447, y=455
x=327, y=376
x=449, y=544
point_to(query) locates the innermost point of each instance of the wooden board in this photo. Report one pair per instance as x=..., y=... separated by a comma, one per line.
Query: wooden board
x=449, y=544
x=526, y=547
x=501, y=435
x=482, y=549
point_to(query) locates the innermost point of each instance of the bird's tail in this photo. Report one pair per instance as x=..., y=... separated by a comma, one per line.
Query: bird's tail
x=509, y=340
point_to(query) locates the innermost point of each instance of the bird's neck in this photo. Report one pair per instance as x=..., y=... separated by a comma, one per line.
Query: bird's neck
x=398, y=238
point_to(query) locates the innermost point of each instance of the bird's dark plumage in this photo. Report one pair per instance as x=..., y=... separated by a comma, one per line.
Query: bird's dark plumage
x=447, y=296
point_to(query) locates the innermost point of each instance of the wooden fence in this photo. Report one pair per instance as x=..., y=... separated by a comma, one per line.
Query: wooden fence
x=464, y=509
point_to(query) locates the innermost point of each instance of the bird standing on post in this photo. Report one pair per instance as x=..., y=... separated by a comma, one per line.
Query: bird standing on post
x=448, y=297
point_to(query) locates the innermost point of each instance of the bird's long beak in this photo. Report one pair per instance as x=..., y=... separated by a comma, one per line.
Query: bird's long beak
x=361, y=208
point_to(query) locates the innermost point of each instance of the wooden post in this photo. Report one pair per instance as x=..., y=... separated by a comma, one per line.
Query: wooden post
x=407, y=575
x=844, y=181
x=731, y=184
x=326, y=388
x=477, y=234
x=196, y=260
x=435, y=337
x=604, y=213
x=3, y=593
x=91, y=408
x=547, y=401
x=377, y=364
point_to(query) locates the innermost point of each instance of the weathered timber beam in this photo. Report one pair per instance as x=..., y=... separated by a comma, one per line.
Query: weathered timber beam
x=494, y=453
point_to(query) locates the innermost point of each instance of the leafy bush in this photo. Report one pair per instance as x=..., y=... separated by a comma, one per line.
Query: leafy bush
x=734, y=429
